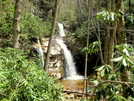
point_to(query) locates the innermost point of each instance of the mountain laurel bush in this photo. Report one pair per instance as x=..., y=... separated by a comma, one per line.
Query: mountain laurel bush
x=22, y=80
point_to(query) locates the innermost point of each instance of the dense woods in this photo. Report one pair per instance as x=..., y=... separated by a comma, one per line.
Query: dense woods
x=99, y=34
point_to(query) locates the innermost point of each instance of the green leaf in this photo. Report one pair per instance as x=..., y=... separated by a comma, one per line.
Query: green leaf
x=128, y=59
x=132, y=99
x=95, y=82
x=117, y=59
x=100, y=68
x=109, y=66
x=111, y=98
x=124, y=62
x=103, y=72
x=121, y=98
x=125, y=51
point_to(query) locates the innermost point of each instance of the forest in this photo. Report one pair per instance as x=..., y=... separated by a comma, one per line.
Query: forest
x=98, y=33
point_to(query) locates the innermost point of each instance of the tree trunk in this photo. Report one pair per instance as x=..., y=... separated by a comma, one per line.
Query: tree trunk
x=86, y=57
x=121, y=40
x=110, y=34
x=51, y=36
x=111, y=43
x=16, y=20
x=98, y=36
x=120, y=24
x=124, y=78
x=107, y=35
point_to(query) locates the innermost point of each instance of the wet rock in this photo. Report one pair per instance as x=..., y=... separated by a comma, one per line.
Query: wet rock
x=55, y=49
x=56, y=60
x=69, y=96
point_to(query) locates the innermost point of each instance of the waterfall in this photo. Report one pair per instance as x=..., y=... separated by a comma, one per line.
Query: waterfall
x=61, y=29
x=70, y=69
x=40, y=52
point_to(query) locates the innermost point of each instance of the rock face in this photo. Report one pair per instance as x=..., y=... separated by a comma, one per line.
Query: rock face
x=56, y=58
x=56, y=50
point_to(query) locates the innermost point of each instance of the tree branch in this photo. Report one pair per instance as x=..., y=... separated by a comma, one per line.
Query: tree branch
x=118, y=82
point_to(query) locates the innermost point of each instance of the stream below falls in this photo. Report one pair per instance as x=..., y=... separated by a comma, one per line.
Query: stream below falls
x=73, y=89
x=74, y=85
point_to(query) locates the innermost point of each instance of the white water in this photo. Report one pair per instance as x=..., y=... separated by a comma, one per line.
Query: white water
x=70, y=69
x=61, y=29
x=40, y=52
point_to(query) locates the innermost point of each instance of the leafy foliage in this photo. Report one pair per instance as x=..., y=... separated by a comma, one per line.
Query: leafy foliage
x=123, y=59
x=79, y=38
x=66, y=11
x=92, y=48
x=111, y=91
x=107, y=16
x=81, y=31
x=107, y=91
x=6, y=20
x=130, y=19
x=105, y=70
x=33, y=26
x=126, y=7
x=23, y=80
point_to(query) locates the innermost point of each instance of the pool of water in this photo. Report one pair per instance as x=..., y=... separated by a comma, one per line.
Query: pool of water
x=73, y=85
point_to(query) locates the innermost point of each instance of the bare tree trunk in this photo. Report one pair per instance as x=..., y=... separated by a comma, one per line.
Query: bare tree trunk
x=121, y=24
x=52, y=34
x=110, y=34
x=86, y=57
x=87, y=44
x=107, y=35
x=16, y=28
x=111, y=45
x=112, y=37
x=121, y=40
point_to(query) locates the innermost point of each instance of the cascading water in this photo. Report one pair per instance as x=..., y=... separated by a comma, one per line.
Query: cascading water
x=70, y=69
x=61, y=29
x=40, y=52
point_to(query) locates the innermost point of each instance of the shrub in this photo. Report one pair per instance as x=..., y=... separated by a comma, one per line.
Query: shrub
x=33, y=26
x=6, y=18
x=23, y=80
